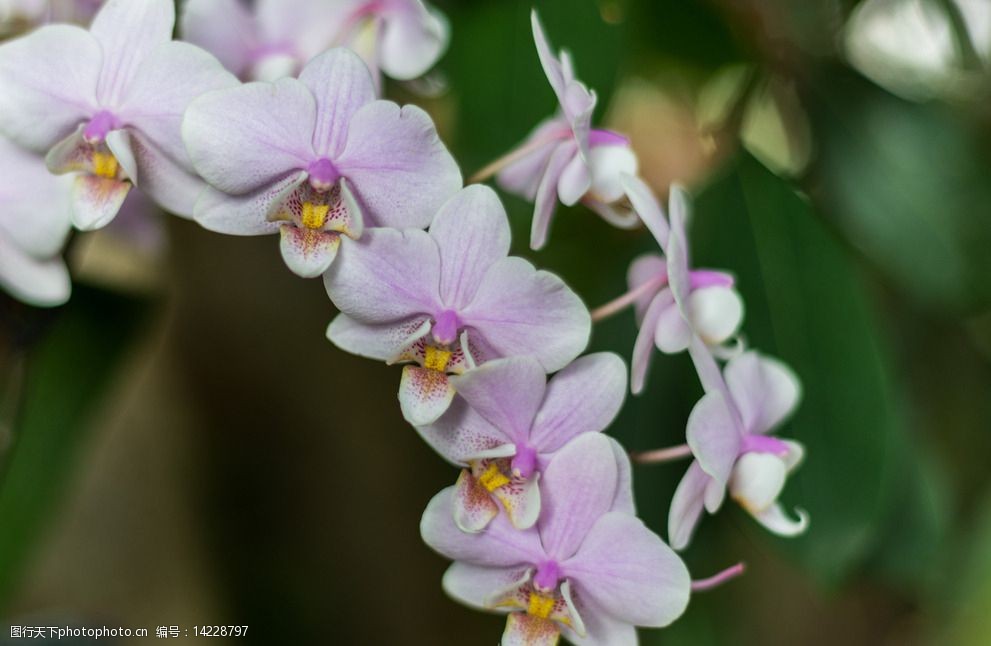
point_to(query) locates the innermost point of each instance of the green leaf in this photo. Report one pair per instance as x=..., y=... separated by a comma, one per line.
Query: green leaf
x=806, y=303
x=66, y=375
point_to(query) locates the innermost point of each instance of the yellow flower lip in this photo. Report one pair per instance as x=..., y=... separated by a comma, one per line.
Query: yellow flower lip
x=314, y=215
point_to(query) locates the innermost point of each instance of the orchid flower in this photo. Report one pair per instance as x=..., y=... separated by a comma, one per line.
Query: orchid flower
x=672, y=300
x=403, y=38
x=34, y=227
x=564, y=158
x=508, y=422
x=448, y=300
x=588, y=569
x=106, y=104
x=315, y=159
x=728, y=432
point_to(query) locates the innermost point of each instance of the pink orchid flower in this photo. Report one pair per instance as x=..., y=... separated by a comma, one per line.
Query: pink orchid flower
x=315, y=159
x=508, y=422
x=564, y=158
x=448, y=300
x=589, y=569
x=106, y=104
x=728, y=432
x=402, y=38
x=34, y=227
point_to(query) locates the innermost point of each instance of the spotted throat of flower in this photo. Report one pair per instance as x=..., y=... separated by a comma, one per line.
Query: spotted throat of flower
x=508, y=477
x=541, y=605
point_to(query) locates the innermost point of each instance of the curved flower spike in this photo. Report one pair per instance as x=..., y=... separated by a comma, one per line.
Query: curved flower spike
x=589, y=569
x=105, y=104
x=564, y=158
x=34, y=226
x=403, y=38
x=673, y=300
x=507, y=424
x=728, y=434
x=315, y=159
x=448, y=300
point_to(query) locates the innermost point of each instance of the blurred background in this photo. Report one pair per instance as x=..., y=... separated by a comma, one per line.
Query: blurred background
x=181, y=445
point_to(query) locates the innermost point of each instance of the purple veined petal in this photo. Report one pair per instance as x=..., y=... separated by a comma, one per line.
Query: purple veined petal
x=341, y=84
x=96, y=201
x=381, y=342
x=500, y=545
x=424, y=395
x=308, y=253
x=249, y=214
x=477, y=586
x=714, y=437
x=462, y=435
x=474, y=507
x=777, y=521
x=39, y=282
x=644, y=269
x=519, y=310
x=413, y=38
x=673, y=333
x=128, y=31
x=575, y=181
x=545, y=202
x=584, y=397
x=647, y=207
x=643, y=347
x=629, y=572
x=687, y=506
x=398, y=167
x=387, y=276
x=244, y=138
x=715, y=313
x=578, y=487
x=225, y=28
x=523, y=176
x=765, y=390
x=472, y=232
x=154, y=103
x=166, y=182
x=49, y=82
x=601, y=628
x=506, y=392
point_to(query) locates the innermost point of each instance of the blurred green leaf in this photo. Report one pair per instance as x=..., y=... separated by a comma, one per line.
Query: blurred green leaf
x=806, y=304
x=908, y=184
x=66, y=375
x=964, y=608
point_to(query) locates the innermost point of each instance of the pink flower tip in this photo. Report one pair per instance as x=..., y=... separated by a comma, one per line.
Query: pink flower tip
x=323, y=175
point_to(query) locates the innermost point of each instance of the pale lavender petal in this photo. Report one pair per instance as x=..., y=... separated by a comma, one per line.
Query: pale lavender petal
x=308, y=26
x=341, y=84
x=49, y=82
x=575, y=181
x=765, y=390
x=225, y=28
x=382, y=342
x=584, y=397
x=677, y=251
x=644, y=269
x=623, y=501
x=424, y=395
x=777, y=521
x=472, y=231
x=713, y=436
x=96, y=201
x=506, y=392
x=629, y=572
x=154, y=103
x=387, y=276
x=413, y=38
x=643, y=347
x=40, y=282
x=500, y=545
x=601, y=628
x=474, y=507
x=462, y=435
x=523, y=176
x=244, y=138
x=120, y=145
x=164, y=180
x=306, y=252
x=578, y=487
x=519, y=310
x=478, y=586
x=673, y=333
x=34, y=203
x=545, y=202
x=128, y=31
x=245, y=215
x=648, y=208
x=687, y=506
x=398, y=167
